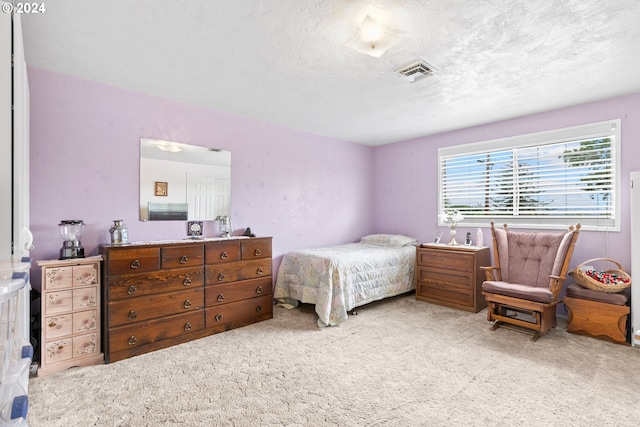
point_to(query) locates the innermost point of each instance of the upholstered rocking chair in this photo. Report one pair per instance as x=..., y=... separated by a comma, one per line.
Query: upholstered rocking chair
x=523, y=288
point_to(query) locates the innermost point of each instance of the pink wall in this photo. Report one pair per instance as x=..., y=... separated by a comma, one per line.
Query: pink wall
x=406, y=174
x=304, y=190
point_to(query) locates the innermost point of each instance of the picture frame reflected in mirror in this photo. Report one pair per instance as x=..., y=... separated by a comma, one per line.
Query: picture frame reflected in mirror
x=161, y=188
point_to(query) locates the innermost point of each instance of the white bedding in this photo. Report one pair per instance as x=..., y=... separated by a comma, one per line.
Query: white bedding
x=340, y=278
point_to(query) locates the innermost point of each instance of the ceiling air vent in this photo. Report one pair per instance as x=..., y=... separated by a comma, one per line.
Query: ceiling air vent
x=415, y=71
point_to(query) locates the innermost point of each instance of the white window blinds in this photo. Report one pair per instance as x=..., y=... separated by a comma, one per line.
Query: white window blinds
x=558, y=177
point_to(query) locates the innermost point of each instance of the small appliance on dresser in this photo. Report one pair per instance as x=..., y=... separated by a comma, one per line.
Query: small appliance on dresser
x=70, y=314
x=71, y=232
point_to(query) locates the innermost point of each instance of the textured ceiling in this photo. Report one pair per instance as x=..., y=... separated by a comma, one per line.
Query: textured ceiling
x=286, y=61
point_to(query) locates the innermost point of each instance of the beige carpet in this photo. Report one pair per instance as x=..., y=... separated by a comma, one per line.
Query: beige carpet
x=399, y=362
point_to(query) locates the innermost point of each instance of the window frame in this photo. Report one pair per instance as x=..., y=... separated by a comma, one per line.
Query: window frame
x=598, y=130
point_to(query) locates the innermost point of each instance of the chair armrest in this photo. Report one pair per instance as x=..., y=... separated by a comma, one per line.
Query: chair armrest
x=555, y=284
x=492, y=273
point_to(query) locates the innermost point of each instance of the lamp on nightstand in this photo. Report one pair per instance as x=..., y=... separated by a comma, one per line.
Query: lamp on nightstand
x=451, y=218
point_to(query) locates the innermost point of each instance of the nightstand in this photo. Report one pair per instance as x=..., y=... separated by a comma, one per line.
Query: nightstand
x=451, y=275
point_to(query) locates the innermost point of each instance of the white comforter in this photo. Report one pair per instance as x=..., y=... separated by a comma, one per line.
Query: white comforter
x=339, y=278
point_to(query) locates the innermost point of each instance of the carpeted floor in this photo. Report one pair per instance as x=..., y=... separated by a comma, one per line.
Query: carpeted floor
x=399, y=362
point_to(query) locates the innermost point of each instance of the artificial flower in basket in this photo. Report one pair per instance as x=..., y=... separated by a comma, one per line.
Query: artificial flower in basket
x=610, y=281
x=607, y=278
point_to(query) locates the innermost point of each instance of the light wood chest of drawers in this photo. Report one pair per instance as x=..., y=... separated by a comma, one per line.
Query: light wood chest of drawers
x=70, y=314
x=451, y=275
x=159, y=295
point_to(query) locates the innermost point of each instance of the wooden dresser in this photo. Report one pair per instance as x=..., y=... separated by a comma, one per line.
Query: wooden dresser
x=159, y=294
x=451, y=275
x=70, y=314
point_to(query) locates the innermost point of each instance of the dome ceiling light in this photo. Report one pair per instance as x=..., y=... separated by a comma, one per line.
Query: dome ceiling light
x=372, y=37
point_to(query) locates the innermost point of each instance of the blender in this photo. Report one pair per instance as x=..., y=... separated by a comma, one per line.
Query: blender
x=71, y=232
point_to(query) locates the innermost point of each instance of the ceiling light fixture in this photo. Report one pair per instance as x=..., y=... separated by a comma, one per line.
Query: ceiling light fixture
x=371, y=31
x=372, y=38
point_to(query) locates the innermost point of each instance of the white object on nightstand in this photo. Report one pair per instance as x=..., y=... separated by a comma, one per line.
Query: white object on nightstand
x=479, y=237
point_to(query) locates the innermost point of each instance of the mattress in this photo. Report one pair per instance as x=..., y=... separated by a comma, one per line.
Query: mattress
x=338, y=279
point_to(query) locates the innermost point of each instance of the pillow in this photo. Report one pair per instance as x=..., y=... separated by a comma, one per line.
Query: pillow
x=391, y=240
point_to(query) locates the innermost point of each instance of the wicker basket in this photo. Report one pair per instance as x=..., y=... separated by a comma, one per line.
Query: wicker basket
x=590, y=283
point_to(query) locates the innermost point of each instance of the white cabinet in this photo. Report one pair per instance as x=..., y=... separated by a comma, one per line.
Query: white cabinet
x=15, y=238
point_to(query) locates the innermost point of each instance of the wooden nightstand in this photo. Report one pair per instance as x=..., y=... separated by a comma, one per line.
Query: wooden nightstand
x=451, y=275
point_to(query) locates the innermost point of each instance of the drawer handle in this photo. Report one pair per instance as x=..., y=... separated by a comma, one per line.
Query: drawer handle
x=218, y=317
x=135, y=264
x=132, y=290
x=221, y=276
x=258, y=309
x=53, y=324
x=257, y=252
x=220, y=298
x=187, y=304
x=132, y=315
x=259, y=290
x=187, y=326
x=132, y=340
x=224, y=255
x=184, y=259
x=186, y=281
x=259, y=270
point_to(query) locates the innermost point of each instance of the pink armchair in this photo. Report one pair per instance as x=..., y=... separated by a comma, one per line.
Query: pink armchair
x=523, y=288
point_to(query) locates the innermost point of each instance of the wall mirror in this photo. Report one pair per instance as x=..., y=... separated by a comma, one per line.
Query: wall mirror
x=183, y=182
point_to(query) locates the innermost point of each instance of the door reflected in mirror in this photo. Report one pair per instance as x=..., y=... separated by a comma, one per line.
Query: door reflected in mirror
x=183, y=182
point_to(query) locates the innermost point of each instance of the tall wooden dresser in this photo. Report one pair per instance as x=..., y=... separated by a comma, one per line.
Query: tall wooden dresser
x=158, y=294
x=451, y=275
x=70, y=314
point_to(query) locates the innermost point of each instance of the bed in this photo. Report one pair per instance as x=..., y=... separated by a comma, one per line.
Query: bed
x=337, y=279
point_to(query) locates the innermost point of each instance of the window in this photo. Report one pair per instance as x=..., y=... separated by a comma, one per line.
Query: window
x=536, y=180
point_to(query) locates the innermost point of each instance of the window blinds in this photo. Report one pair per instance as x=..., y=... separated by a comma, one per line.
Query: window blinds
x=540, y=179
